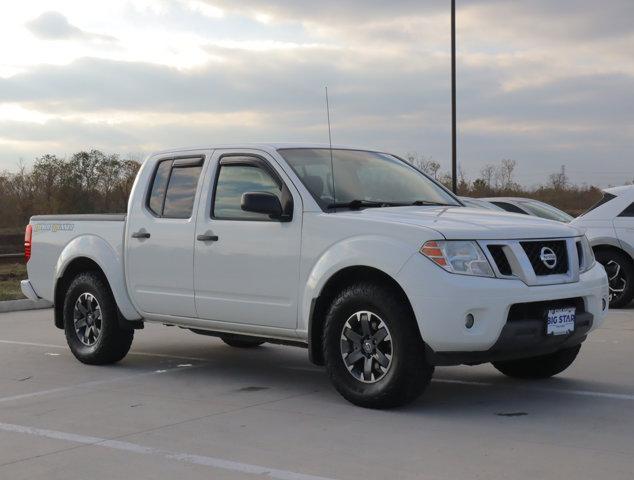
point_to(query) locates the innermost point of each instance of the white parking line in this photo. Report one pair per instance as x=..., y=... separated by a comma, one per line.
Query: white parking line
x=584, y=393
x=143, y=354
x=213, y=462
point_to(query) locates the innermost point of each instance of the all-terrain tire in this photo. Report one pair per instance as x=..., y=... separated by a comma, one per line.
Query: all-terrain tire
x=112, y=342
x=407, y=375
x=544, y=366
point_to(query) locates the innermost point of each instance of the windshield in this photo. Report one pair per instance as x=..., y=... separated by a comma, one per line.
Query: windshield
x=362, y=179
x=546, y=211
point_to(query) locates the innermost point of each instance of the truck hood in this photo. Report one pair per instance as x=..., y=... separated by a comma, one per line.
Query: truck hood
x=463, y=223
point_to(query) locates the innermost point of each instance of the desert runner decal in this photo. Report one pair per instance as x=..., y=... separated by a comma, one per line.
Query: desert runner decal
x=53, y=227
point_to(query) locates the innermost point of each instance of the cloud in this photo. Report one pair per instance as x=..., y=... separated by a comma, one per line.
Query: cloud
x=543, y=82
x=248, y=97
x=55, y=26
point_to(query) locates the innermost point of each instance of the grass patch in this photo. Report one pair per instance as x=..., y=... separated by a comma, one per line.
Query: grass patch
x=12, y=230
x=10, y=276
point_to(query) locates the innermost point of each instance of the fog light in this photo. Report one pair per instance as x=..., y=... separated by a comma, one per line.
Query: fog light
x=604, y=304
x=469, y=320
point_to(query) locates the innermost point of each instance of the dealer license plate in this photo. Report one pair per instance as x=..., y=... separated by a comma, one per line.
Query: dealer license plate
x=561, y=321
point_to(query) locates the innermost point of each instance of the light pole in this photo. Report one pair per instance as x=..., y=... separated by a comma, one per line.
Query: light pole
x=454, y=159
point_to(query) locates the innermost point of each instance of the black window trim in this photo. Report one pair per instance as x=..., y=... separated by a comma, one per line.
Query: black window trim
x=178, y=161
x=605, y=198
x=258, y=161
x=628, y=212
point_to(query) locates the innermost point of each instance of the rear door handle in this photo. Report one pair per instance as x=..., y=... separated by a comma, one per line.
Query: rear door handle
x=141, y=234
x=207, y=238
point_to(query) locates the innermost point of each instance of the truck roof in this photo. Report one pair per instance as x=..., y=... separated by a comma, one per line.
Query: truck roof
x=266, y=146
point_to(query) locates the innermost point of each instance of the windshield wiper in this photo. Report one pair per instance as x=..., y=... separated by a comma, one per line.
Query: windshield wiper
x=357, y=204
x=419, y=203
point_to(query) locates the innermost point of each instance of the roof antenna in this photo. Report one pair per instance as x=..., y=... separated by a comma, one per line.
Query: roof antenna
x=332, y=162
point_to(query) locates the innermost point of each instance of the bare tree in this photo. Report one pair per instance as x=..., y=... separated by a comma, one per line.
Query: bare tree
x=505, y=174
x=431, y=168
x=559, y=180
x=426, y=164
x=487, y=173
x=463, y=182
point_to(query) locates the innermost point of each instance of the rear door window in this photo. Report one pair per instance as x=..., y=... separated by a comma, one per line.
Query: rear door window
x=181, y=191
x=174, y=188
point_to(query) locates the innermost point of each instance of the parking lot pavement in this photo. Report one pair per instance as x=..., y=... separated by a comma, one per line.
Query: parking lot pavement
x=187, y=406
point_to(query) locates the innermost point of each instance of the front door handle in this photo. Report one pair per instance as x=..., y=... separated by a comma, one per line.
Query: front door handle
x=141, y=234
x=207, y=238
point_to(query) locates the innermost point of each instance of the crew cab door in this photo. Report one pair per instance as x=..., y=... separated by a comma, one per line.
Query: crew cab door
x=160, y=236
x=246, y=265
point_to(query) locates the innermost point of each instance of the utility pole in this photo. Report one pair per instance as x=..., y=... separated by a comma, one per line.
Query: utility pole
x=454, y=159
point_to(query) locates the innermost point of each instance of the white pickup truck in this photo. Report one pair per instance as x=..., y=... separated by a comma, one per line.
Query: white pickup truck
x=378, y=270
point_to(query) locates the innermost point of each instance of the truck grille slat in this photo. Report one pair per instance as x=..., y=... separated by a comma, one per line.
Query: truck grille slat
x=499, y=257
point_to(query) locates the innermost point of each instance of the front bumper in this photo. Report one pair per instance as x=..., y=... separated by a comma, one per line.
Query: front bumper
x=442, y=301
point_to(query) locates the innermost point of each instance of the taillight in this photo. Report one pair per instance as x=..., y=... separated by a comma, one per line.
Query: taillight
x=28, y=233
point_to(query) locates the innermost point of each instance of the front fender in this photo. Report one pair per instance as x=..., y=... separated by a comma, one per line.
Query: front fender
x=109, y=260
x=613, y=242
x=597, y=241
x=383, y=253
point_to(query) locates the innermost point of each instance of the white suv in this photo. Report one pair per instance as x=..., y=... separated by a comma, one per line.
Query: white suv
x=610, y=228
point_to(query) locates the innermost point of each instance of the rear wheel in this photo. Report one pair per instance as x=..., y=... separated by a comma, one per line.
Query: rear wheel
x=374, y=354
x=91, y=322
x=620, y=272
x=544, y=366
x=239, y=341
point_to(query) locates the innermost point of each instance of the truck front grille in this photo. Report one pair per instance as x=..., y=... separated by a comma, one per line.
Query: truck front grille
x=499, y=257
x=535, y=251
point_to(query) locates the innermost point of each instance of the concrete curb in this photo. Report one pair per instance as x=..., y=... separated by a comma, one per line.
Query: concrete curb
x=23, y=304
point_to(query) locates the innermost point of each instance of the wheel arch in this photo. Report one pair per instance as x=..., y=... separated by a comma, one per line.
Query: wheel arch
x=75, y=267
x=92, y=253
x=339, y=280
x=605, y=247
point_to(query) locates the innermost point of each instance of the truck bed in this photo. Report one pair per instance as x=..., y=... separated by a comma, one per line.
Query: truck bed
x=54, y=236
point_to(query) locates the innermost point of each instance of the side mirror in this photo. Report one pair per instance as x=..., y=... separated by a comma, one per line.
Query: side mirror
x=262, y=202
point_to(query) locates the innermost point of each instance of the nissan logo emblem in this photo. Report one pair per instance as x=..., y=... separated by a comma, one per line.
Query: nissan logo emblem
x=548, y=257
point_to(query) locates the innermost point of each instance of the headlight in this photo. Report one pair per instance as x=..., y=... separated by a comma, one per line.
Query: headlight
x=588, y=259
x=463, y=257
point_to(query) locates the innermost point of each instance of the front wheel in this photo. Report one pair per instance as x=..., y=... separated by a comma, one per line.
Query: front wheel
x=544, y=366
x=374, y=354
x=620, y=273
x=91, y=322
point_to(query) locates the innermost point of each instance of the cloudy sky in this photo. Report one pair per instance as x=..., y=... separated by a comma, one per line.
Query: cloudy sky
x=543, y=82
